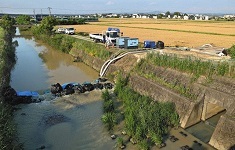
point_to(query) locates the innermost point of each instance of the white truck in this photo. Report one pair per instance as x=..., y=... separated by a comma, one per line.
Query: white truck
x=112, y=34
x=69, y=31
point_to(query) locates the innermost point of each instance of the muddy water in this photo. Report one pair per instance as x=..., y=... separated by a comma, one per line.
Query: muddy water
x=67, y=123
x=204, y=129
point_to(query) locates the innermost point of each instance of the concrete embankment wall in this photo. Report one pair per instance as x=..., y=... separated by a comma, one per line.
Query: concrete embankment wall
x=212, y=97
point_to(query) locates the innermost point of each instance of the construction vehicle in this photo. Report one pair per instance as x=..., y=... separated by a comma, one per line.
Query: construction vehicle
x=112, y=34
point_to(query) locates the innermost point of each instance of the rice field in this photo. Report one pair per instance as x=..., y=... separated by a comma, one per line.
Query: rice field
x=171, y=32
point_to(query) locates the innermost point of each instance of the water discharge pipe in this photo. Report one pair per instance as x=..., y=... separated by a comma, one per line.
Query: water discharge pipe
x=108, y=62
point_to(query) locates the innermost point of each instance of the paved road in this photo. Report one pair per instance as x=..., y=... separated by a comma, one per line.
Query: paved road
x=84, y=38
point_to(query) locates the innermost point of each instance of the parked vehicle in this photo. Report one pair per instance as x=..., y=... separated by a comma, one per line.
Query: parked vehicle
x=61, y=30
x=112, y=34
x=69, y=31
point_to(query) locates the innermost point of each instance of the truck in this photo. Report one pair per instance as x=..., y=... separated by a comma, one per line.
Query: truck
x=69, y=31
x=111, y=34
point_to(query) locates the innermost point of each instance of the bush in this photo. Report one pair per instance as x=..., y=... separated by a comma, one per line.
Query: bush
x=106, y=96
x=231, y=51
x=109, y=119
x=108, y=106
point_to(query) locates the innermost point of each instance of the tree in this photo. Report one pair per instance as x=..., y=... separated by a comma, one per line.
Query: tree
x=177, y=13
x=167, y=13
x=23, y=20
x=47, y=25
x=7, y=23
x=160, y=16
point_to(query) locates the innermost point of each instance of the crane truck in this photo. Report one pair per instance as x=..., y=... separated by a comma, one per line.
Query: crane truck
x=112, y=34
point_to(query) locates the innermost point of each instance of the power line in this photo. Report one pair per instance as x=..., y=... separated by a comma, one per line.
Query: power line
x=49, y=8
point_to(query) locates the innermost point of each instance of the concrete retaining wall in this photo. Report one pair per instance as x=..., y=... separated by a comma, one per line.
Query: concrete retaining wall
x=211, y=97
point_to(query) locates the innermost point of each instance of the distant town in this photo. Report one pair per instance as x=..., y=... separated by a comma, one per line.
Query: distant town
x=166, y=15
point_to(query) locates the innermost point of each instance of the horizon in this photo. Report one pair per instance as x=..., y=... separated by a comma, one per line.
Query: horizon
x=150, y=13
x=116, y=6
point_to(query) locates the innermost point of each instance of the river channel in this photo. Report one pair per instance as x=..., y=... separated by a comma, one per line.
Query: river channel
x=71, y=122
x=68, y=123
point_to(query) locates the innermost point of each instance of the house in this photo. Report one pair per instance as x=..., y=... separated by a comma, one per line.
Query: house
x=186, y=17
x=154, y=17
x=144, y=16
x=206, y=17
x=136, y=16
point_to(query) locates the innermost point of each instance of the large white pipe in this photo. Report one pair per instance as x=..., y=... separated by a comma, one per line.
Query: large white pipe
x=103, y=70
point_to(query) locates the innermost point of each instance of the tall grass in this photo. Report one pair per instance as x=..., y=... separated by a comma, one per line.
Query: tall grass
x=91, y=48
x=66, y=43
x=145, y=118
x=141, y=70
x=109, y=116
x=193, y=66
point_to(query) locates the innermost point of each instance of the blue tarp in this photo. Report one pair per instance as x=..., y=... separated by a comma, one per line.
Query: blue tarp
x=86, y=82
x=114, y=29
x=27, y=93
x=149, y=44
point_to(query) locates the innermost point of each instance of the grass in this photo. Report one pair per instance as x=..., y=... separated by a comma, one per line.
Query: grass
x=173, y=84
x=7, y=127
x=92, y=48
x=191, y=65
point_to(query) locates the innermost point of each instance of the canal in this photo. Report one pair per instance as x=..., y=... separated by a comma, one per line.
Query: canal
x=71, y=122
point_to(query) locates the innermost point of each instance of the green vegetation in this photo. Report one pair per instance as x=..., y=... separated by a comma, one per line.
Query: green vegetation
x=142, y=69
x=7, y=62
x=109, y=116
x=144, y=118
x=91, y=48
x=120, y=142
x=231, y=51
x=70, y=21
x=23, y=20
x=66, y=43
x=7, y=52
x=60, y=42
x=46, y=27
x=192, y=66
x=45, y=33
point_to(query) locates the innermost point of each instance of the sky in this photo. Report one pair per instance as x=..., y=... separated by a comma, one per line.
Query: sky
x=116, y=6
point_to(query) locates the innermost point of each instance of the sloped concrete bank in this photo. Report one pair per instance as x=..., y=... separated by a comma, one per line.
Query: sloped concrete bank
x=211, y=97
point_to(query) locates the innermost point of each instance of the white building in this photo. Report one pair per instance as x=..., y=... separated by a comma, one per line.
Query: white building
x=186, y=17
x=154, y=17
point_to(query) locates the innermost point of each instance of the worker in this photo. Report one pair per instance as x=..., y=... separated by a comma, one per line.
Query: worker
x=109, y=43
x=104, y=39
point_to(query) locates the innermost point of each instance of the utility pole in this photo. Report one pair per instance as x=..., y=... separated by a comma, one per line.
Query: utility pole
x=49, y=8
x=41, y=13
x=34, y=13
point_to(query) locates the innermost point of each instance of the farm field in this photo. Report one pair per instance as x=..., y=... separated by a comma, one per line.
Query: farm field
x=171, y=32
